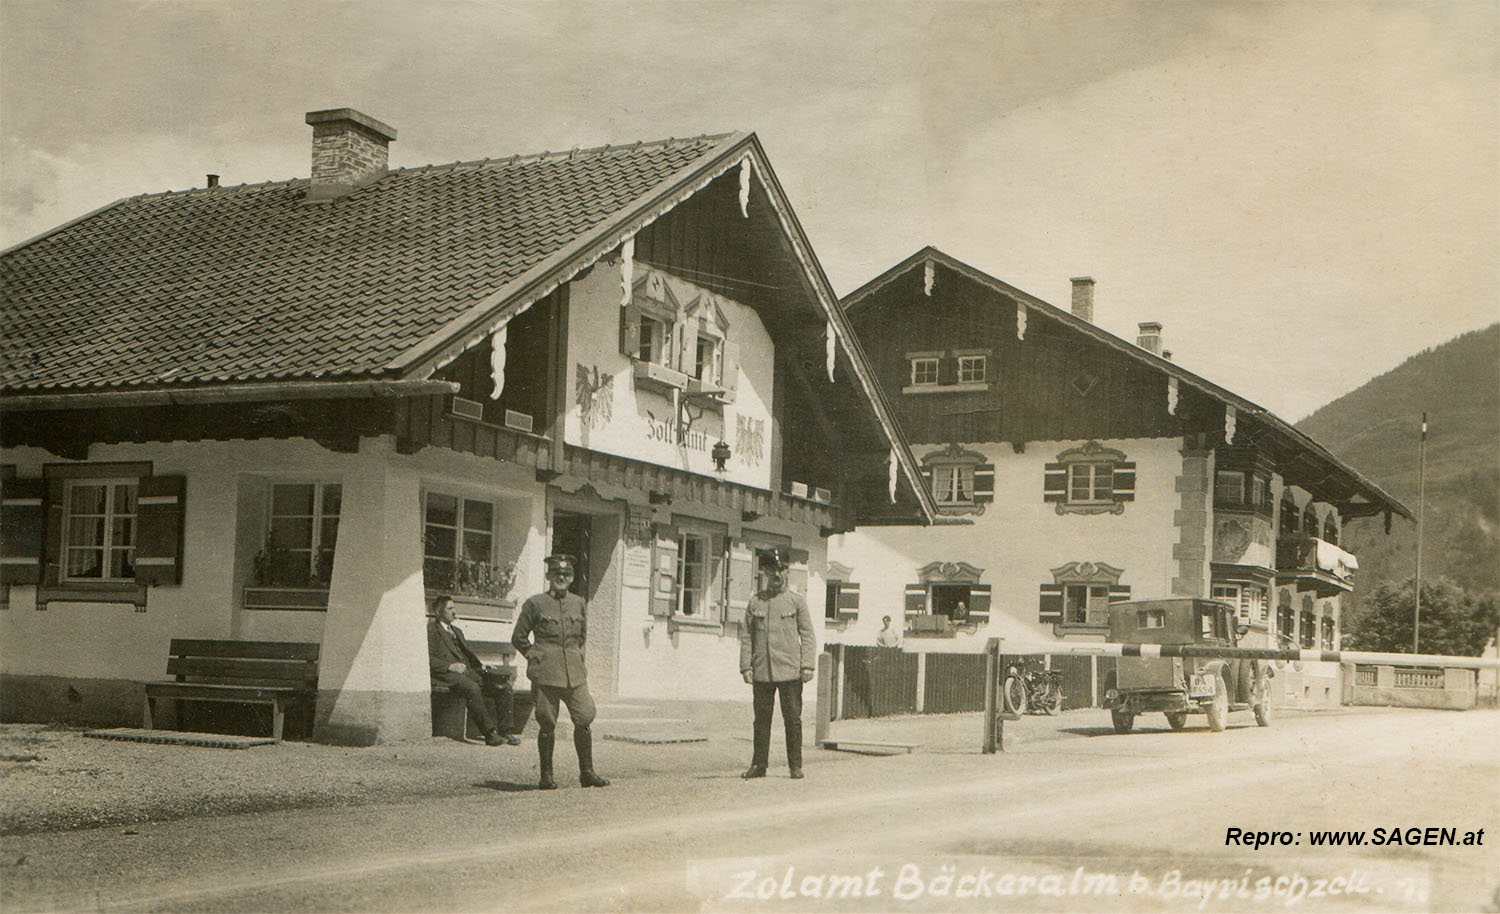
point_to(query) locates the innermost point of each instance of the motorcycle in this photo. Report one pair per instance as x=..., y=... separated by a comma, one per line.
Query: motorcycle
x=1035, y=691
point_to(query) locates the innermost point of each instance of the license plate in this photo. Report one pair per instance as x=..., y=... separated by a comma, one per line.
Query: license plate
x=1202, y=687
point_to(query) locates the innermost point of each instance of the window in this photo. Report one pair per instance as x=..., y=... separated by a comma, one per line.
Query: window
x=655, y=339
x=1091, y=483
x=1288, y=523
x=458, y=540
x=1260, y=491
x=1328, y=634
x=961, y=481
x=706, y=364
x=1086, y=604
x=693, y=575
x=1248, y=600
x=953, y=485
x=1214, y=623
x=840, y=596
x=1091, y=479
x=924, y=370
x=1309, y=632
x=831, y=601
x=971, y=369
x=1331, y=528
x=99, y=537
x=1229, y=487
x=302, y=531
x=1151, y=618
x=1309, y=521
x=1080, y=594
x=1286, y=617
x=950, y=589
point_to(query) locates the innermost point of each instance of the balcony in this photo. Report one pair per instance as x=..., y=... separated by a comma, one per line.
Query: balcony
x=1314, y=564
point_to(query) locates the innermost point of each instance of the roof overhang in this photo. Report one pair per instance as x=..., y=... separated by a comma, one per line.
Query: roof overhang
x=227, y=393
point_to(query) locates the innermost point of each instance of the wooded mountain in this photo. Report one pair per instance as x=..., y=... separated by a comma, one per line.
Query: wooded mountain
x=1376, y=429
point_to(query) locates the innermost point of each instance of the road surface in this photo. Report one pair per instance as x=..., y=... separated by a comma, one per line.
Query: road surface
x=1088, y=820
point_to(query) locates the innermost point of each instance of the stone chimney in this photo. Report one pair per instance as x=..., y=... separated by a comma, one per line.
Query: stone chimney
x=1083, y=298
x=1149, y=337
x=349, y=150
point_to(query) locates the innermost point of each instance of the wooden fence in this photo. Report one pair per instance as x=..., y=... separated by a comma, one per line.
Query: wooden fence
x=880, y=681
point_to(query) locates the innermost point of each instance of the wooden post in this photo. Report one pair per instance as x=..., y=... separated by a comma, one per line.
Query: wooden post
x=824, y=699
x=994, y=726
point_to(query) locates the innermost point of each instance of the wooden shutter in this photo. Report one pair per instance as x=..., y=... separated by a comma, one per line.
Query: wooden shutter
x=848, y=601
x=630, y=332
x=979, y=603
x=927, y=480
x=664, y=574
x=741, y=581
x=916, y=599
x=53, y=538
x=158, y=531
x=1124, y=481
x=1119, y=593
x=731, y=372
x=947, y=369
x=1055, y=483
x=23, y=521
x=796, y=574
x=984, y=483
x=1051, y=606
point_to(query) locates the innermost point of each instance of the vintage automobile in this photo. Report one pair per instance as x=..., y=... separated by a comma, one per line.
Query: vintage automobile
x=1179, y=686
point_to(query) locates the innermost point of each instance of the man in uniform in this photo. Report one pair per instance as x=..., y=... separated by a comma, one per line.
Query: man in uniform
x=777, y=655
x=455, y=667
x=550, y=634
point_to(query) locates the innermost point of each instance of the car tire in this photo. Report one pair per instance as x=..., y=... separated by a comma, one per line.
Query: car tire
x=1262, y=705
x=1177, y=719
x=1014, y=695
x=1218, y=708
x=1123, y=720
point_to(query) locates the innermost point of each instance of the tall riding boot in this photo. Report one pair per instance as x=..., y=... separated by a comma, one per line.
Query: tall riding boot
x=583, y=741
x=544, y=758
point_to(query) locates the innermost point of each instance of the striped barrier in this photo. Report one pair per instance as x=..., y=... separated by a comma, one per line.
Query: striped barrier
x=1112, y=649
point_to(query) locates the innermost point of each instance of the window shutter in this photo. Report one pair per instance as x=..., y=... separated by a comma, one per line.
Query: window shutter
x=22, y=525
x=984, y=483
x=630, y=332
x=1055, y=483
x=1124, y=481
x=1119, y=593
x=741, y=581
x=731, y=378
x=158, y=533
x=53, y=539
x=916, y=599
x=664, y=575
x=796, y=574
x=979, y=603
x=1051, y=609
x=848, y=597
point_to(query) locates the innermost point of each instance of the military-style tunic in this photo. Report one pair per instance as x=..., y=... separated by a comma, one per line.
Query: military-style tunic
x=776, y=641
x=559, y=628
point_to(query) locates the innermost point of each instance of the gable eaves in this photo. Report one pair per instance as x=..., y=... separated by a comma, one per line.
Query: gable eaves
x=56, y=229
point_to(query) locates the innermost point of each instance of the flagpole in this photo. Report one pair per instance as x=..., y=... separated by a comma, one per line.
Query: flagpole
x=1421, y=499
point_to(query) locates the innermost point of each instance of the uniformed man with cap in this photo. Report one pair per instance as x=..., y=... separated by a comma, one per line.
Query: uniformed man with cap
x=549, y=633
x=777, y=655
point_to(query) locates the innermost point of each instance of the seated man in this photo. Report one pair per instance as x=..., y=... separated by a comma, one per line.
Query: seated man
x=455, y=667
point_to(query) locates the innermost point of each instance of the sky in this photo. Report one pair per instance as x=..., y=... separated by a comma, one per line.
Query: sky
x=1304, y=194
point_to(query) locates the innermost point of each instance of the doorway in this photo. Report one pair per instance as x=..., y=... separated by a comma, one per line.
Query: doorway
x=571, y=533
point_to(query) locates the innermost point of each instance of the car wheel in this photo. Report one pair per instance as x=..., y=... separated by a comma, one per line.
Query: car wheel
x=1015, y=695
x=1123, y=720
x=1263, y=703
x=1177, y=719
x=1218, y=709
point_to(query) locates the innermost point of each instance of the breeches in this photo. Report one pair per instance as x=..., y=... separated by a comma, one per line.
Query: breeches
x=580, y=706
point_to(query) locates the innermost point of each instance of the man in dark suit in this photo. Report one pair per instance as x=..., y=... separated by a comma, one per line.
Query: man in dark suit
x=455, y=667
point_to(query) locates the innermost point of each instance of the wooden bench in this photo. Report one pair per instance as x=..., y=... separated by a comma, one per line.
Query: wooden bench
x=450, y=714
x=275, y=673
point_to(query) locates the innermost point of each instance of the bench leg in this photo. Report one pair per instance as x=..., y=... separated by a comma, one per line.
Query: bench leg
x=146, y=715
x=278, y=717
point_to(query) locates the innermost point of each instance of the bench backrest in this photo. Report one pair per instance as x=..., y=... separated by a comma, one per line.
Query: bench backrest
x=281, y=662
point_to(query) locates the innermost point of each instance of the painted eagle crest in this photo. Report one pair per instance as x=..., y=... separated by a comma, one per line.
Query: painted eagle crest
x=594, y=393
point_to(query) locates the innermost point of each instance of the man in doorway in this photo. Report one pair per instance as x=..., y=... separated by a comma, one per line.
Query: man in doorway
x=455, y=667
x=888, y=637
x=777, y=655
x=550, y=633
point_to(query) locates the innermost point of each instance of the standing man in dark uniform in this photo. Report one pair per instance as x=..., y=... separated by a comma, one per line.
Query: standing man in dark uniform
x=777, y=655
x=554, y=663
x=454, y=666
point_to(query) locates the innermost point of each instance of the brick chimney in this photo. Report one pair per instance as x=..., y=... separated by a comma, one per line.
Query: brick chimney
x=349, y=150
x=1083, y=298
x=1149, y=337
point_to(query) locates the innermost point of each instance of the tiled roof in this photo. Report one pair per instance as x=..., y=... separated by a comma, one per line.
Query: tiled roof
x=249, y=284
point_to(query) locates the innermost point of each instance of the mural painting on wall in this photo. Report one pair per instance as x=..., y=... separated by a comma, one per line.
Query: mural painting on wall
x=750, y=439
x=594, y=394
x=1233, y=537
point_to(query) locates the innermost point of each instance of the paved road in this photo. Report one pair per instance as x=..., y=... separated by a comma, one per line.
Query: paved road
x=1095, y=821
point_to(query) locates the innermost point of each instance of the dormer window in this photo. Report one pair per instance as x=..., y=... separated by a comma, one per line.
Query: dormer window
x=677, y=337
